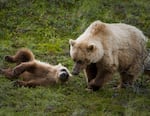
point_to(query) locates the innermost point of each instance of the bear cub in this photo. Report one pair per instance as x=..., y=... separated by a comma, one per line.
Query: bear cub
x=34, y=72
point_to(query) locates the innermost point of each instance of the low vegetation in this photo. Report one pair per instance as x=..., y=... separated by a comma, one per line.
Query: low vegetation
x=45, y=26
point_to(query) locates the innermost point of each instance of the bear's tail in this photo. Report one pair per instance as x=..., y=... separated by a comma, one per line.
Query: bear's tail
x=23, y=55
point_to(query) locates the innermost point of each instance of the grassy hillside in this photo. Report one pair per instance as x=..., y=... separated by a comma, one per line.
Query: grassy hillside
x=45, y=26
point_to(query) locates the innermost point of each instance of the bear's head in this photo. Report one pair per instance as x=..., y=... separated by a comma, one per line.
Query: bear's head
x=88, y=47
x=63, y=74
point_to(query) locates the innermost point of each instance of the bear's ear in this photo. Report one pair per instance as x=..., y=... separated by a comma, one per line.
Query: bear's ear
x=97, y=27
x=72, y=42
x=91, y=47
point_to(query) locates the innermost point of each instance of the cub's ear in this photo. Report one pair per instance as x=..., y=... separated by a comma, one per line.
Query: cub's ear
x=91, y=47
x=72, y=42
x=98, y=27
x=59, y=64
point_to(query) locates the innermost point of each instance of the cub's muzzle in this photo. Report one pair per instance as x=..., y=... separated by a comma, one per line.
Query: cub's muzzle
x=64, y=76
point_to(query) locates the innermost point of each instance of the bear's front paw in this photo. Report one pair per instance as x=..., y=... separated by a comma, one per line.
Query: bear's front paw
x=93, y=87
x=89, y=90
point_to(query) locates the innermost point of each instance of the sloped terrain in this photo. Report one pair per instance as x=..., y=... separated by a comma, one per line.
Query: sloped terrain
x=45, y=26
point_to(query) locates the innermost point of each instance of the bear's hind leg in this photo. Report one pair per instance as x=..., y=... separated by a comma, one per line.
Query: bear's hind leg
x=126, y=80
x=23, y=55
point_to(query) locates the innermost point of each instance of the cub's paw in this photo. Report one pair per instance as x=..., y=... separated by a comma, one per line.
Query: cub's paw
x=18, y=70
x=8, y=58
x=19, y=83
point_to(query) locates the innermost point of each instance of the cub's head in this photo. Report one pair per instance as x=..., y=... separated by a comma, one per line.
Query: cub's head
x=63, y=73
x=84, y=53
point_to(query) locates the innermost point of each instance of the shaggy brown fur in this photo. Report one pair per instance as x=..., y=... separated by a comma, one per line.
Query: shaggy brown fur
x=34, y=72
x=104, y=49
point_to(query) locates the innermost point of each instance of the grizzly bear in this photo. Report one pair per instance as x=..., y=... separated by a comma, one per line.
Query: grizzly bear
x=104, y=49
x=34, y=72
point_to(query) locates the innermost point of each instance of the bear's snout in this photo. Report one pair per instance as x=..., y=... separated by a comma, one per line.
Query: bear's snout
x=75, y=71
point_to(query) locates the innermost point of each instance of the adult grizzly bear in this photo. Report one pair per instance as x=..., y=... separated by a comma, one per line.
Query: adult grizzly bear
x=106, y=48
x=34, y=72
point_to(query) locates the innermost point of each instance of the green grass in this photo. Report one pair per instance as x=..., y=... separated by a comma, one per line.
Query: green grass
x=45, y=26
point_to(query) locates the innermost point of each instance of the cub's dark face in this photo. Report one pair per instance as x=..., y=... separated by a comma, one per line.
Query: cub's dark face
x=63, y=73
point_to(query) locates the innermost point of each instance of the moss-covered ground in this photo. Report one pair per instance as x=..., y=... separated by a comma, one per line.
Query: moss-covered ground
x=45, y=26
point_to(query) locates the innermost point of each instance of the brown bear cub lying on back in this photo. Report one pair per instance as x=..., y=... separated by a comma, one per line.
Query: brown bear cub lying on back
x=34, y=72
